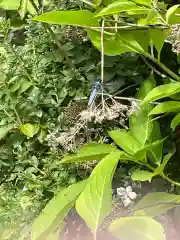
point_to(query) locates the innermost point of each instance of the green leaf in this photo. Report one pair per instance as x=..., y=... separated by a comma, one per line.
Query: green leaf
x=141, y=154
x=25, y=85
x=138, y=12
x=83, y=18
x=10, y=4
x=140, y=121
x=175, y=122
x=158, y=37
x=170, y=12
x=160, y=169
x=95, y=202
x=4, y=130
x=146, y=204
x=161, y=91
x=140, y=228
x=118, y=7
x=97, y=2
x=155, y=152
x=55, y=211
x=127, y=142
x=153, y=17
x=113, y=45
x=146, y=87
x=29, y=129
x=30, y=7
x=23, y=8
x=175, y=17
x=141, y=175
x=166, y=107
x=144, y=2
x=90, y=152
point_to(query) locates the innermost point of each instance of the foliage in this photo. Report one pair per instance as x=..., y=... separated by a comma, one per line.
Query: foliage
x=44, y=69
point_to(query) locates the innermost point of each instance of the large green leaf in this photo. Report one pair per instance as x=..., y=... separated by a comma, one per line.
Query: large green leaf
x=175, y=122
x=55, y=211
x=113, y=45
x=118, y=7
x=90, y=152
x=171, y=12
x=141, y=175
x=95, y=202
x=141, y=122
x=10, y=4
x=127, y=142
x=141, y=154
x=147, y=204
x=83, y=18
x=140, y=228
x=162, y=91
x=166, y=107
x=175, y=17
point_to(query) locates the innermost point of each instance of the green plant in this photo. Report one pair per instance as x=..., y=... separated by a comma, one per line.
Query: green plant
x=114, y=27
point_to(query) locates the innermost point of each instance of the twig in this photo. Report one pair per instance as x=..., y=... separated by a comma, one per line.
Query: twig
x=102, y=62
x=153, y=68
x=126, y=88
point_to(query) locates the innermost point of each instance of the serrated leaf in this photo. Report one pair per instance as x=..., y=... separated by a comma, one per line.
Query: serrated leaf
x=29, y=129
x=89, y=152
x=141, y=175
x=140, y=228
x=118, y=7
x=127, y=142
x=146, y=208
x=161, y=91
x=165, y=107
x=82, y=18
x=55, y=211
x=170, y=12
x=175, y=122
x=10, y=4
x=95, y=202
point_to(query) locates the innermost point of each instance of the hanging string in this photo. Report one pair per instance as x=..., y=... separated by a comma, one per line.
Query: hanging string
x=102, y=61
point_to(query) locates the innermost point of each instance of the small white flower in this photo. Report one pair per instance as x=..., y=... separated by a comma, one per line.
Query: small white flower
x=126, y=202
x=126, y=195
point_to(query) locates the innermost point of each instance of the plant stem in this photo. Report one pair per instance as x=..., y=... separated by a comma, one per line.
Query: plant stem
x=169, y=180
x=161, y=65
x=164, y=176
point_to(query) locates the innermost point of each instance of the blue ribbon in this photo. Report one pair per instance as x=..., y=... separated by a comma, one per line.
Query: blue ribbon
x=96, y=88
